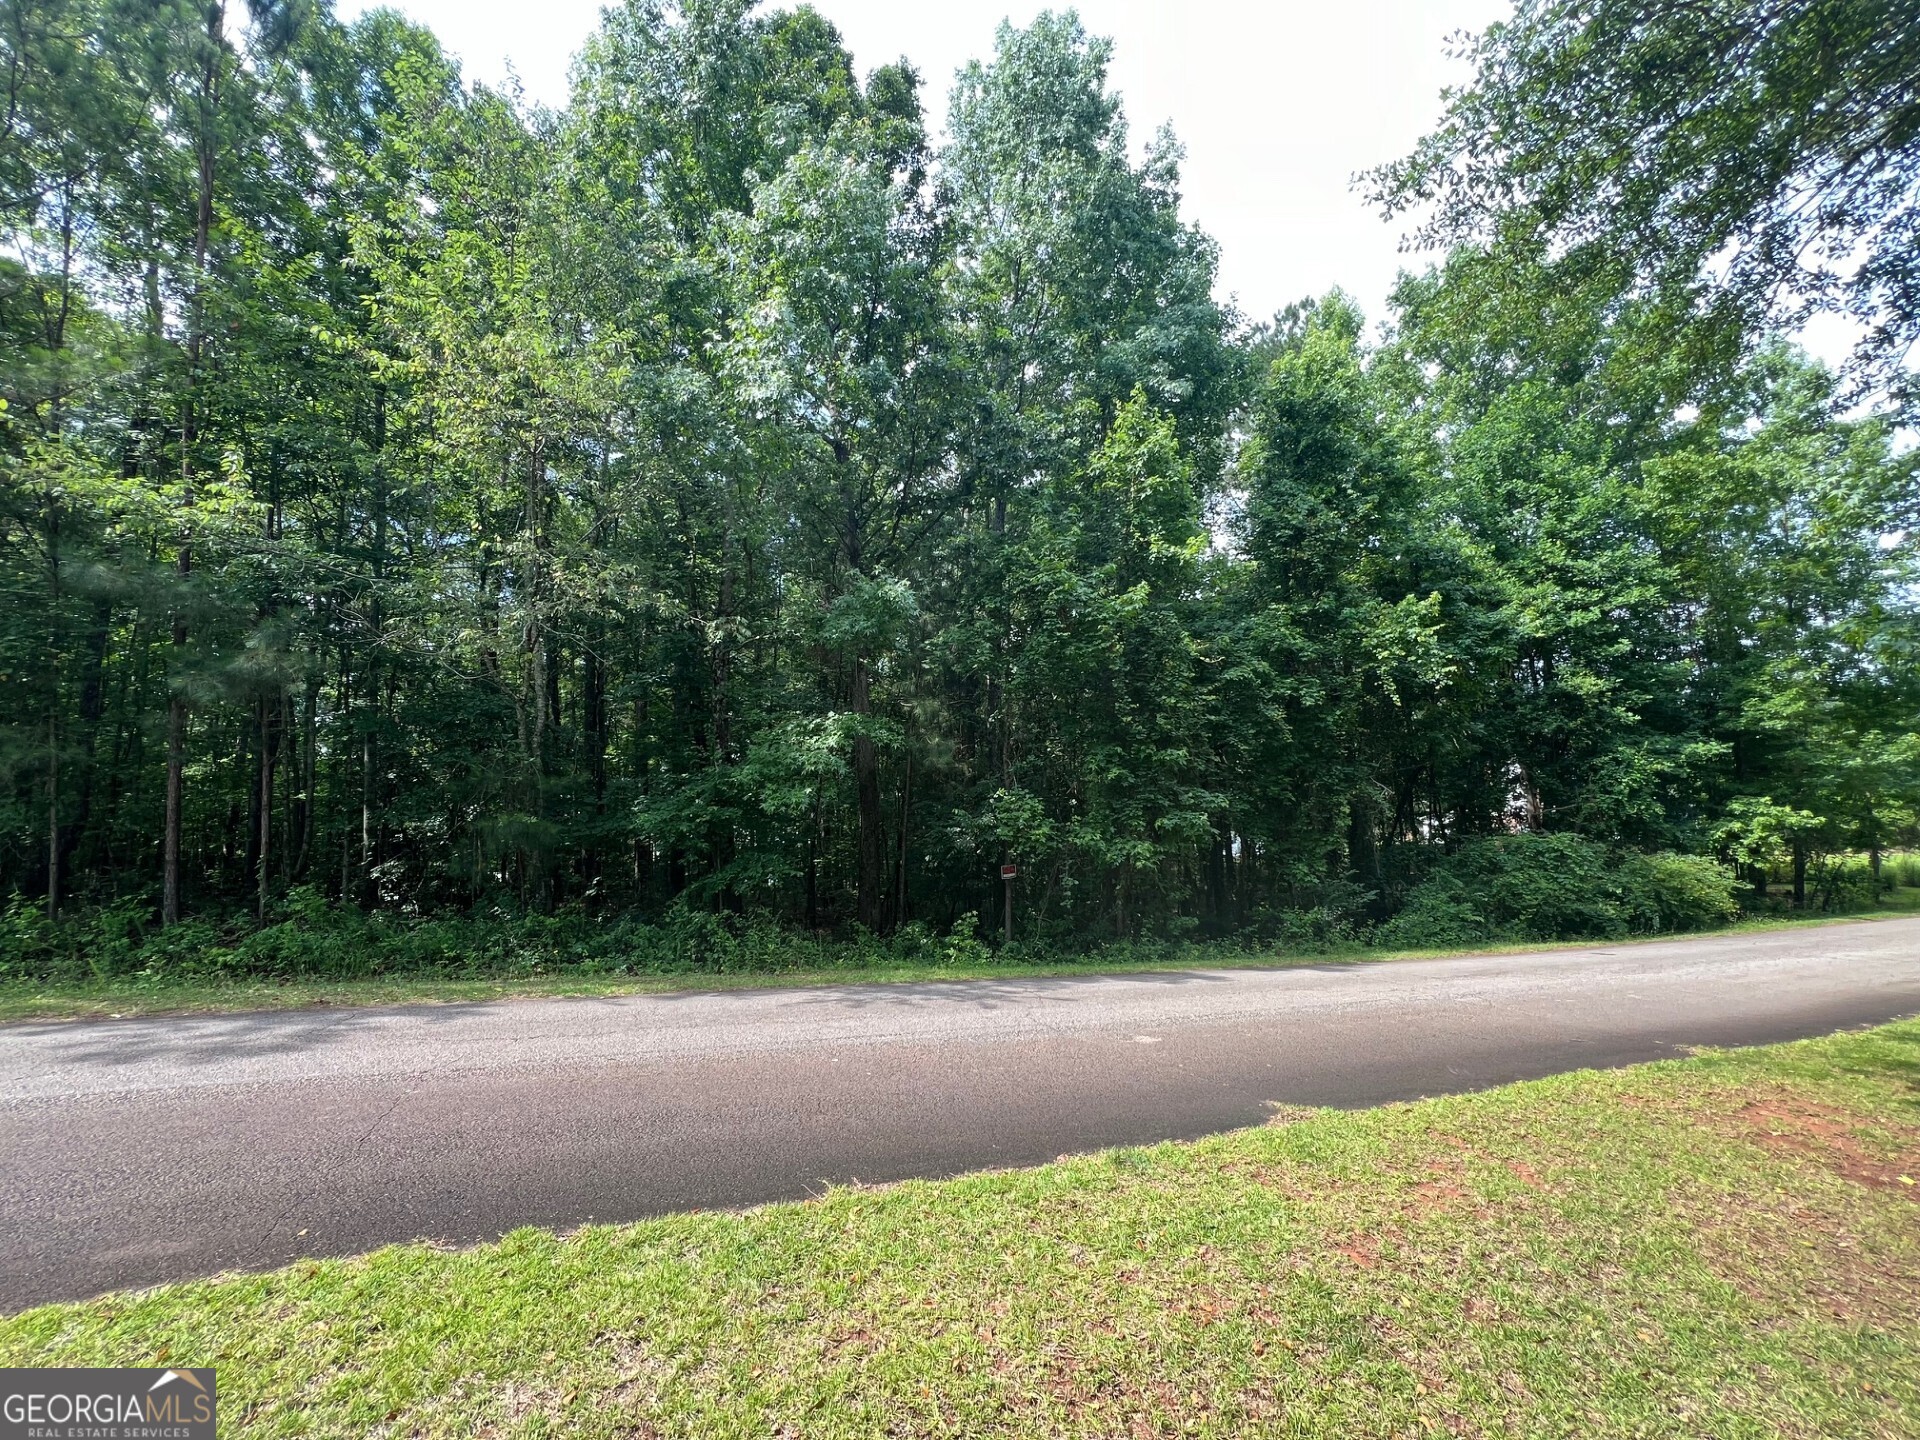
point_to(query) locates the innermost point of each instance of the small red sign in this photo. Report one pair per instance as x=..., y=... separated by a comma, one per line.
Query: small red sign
x=1007, y=872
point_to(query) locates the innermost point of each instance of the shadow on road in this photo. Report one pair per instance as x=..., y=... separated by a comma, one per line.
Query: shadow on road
x=193, y=1040
x=991, y=994
x=211, y=1039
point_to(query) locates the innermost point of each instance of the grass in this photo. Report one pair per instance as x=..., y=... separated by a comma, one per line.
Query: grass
x=1727, y=1245
x=118, y=997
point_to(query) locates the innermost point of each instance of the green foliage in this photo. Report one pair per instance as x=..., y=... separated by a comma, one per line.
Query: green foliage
x=313, y=938
x=1601, y=131
x=1759, y=833
x=1669, y=893
x=707, y=523
x=1520, y=887
x=1559, y=887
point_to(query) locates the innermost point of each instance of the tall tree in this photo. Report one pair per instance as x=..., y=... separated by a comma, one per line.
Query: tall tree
x=1749, y=163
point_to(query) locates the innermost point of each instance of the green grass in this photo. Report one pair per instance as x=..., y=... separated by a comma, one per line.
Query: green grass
x=139, y=994
x=1722, y=1246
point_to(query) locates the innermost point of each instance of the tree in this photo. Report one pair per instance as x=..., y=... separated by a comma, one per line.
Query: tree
x=707, y=503
x=840, y=354
x=1746, y=163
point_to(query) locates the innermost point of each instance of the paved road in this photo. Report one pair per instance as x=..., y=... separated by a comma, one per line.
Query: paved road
x=146, y=1150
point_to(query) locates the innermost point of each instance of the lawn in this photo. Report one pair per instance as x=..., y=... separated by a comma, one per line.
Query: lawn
x=147, y=994
x=1727, y=1245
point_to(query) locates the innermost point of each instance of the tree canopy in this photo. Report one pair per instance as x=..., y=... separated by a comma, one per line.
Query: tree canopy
x=1749, y=163
x=722, y=496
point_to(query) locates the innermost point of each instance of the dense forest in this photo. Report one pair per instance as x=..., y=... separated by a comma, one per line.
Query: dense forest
x=723, y=498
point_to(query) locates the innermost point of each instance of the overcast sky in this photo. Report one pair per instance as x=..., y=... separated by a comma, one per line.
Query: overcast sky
x=1279, y=104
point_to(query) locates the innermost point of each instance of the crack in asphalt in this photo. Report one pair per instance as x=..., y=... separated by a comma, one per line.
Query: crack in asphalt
x=358, y=1144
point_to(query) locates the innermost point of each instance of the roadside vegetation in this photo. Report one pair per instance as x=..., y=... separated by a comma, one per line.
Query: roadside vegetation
x=1519, y=891
x=718, y=523
x=1725, y=1245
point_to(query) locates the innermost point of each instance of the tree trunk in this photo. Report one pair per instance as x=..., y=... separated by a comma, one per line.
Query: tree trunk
x=176, y=756
x=92, y=707
x=53, y=708
x=1218, y=871
x=813, y=867
x=594, y=723
x=366, y=811
x=53, y=818
x=594, y=681
x=56, y=330
x=196, y=318
x=540, y=684
x=370, y=709
x=1363, y=851
x=900, y=876
x=264, y=805
x=873, y=840
x=303, y=828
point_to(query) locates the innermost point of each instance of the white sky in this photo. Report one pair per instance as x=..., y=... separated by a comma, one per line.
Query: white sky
x=1279, y=104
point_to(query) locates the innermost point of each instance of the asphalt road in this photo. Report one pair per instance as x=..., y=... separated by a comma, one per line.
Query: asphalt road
x=140, y=1151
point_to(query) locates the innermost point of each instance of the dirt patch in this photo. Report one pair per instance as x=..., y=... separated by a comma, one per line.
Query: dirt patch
x=1432, y=1196
x=1443, y=1189
x=1362, y=1250
x=1816, y=1258
x=1828, y=1136
x=1281, y=1114
x=1798, y=1265
x=856, y=1339
x=1526, y=1174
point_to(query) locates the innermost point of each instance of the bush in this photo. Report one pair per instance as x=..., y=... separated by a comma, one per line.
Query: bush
x=99, y=944
x=1307, y=930
x=312, y=937
x=1558, y=887
x=1517, y=887
x=1674, y=893
x=1846, y=882
x=1438, y=915
x=27, y=939
x=1514, y=887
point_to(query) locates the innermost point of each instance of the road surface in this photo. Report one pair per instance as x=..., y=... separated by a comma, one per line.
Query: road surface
x=145, y=1150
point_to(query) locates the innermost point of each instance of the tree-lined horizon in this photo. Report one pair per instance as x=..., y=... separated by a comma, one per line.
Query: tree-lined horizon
x=718, y=494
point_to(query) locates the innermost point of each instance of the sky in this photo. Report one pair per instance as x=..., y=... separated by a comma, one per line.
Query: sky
x=1279, y=103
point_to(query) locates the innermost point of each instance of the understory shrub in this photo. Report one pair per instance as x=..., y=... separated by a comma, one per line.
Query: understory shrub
x=1559, y=887
x=1514, y=887
x=1672, y=893
x=1846, y=882
x=312, y=937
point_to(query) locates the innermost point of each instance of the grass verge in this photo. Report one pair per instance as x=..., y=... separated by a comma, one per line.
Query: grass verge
x=1727, y=1245
x=121, y=997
